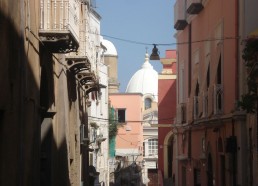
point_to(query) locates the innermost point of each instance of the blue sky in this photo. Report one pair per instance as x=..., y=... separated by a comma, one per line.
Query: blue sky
x=143, y=21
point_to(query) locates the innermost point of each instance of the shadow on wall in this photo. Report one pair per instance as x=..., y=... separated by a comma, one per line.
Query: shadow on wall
x=27, y=156
x=169, y=99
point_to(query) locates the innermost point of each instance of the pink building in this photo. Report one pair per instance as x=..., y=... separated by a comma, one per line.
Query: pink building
x=129, y=139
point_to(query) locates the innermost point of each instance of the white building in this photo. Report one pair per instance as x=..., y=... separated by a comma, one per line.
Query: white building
x=98, y=102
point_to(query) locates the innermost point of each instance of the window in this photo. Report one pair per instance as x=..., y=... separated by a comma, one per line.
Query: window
x=147, y=103
x=181, y=83
x=121, y=115
x=208, y=77
x=219, y=78
x=197, y=177
x=143, y=152
x=153, y=146
x=203, y=145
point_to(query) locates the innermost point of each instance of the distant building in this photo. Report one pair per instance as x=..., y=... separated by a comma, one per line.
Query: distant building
x=137, y=139
x=129, y=138
x=111, y=60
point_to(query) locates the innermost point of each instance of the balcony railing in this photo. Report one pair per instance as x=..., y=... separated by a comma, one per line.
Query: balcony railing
x=218, y=99
x=59, y=25
x=180, y=15
x=194, y=6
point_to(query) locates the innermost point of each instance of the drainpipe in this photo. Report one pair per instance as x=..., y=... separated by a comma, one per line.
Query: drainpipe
x=189, y=59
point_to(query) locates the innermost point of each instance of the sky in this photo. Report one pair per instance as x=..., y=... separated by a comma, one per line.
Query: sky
x=134, y=25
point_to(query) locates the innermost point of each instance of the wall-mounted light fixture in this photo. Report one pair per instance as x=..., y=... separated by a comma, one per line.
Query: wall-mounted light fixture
x=155, y=53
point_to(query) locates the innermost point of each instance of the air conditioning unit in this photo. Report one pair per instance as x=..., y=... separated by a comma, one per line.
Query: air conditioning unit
x=83, y=136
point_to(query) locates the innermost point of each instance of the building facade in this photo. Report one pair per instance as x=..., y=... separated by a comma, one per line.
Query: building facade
x=212, y=128
x=129, y=138
x=167, y=113
x=98, y=105
x=46, y=79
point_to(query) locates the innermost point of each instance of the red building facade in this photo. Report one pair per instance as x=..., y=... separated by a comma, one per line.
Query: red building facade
x=166, y=115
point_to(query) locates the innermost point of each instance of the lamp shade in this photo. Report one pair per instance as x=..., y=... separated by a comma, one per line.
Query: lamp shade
x=155, y=53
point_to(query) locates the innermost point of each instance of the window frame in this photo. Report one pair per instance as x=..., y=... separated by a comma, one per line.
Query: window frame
x=121, y=112
x=153, y=146
x=147, y=103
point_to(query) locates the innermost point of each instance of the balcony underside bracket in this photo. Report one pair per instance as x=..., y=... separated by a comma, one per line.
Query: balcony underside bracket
x=195, y=8
x=58, y=41
x=78, y=64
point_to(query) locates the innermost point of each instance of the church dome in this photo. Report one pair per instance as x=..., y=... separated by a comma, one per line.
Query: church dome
x=144, y=81
x=111, y=49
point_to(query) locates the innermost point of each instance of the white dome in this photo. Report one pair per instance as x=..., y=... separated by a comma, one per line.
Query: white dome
x=111, y=50
x=144, y=81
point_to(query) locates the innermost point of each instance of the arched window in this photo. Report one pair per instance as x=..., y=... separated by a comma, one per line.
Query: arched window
x=147, y=103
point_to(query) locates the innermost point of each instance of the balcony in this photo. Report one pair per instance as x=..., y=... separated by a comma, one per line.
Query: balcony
x=59, y=25
x=90, y=83
x=194, y=6
x=80, y=67
x=180, y=15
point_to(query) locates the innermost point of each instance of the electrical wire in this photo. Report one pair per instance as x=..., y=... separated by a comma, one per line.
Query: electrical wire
x=98, y=118
x=166, y=44
x=132, y=121
x=126, y=40
x=128, y=141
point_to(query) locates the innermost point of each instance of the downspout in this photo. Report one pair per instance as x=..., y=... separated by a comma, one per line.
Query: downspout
x=189, y=60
